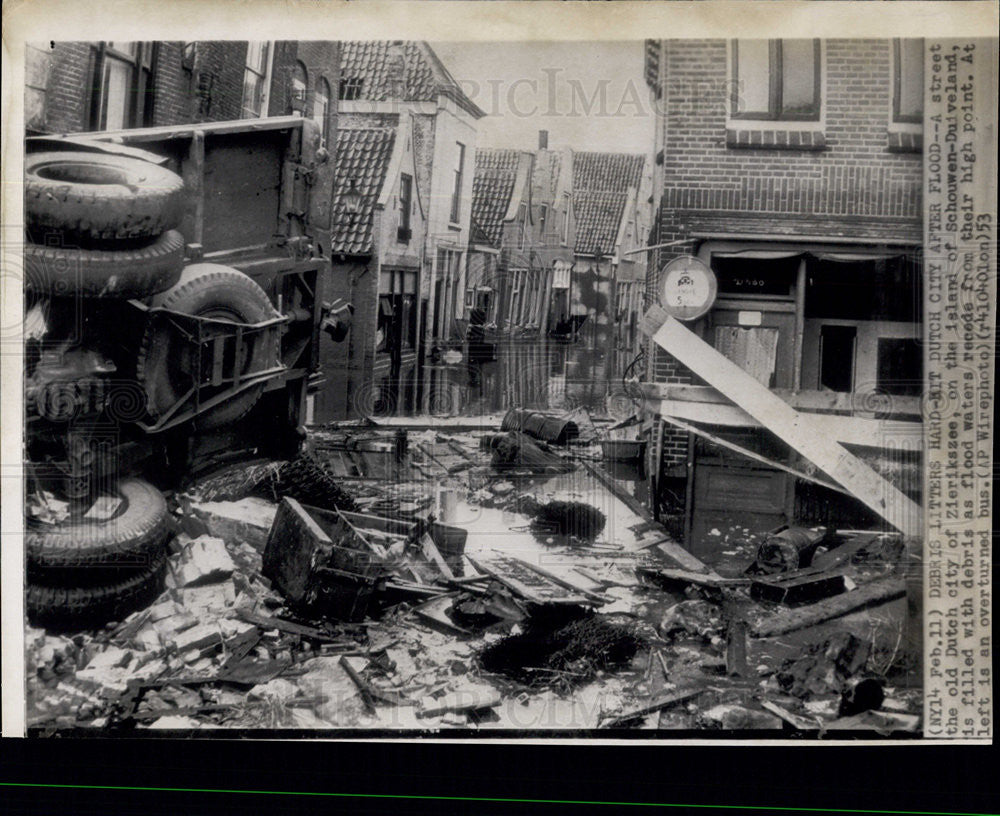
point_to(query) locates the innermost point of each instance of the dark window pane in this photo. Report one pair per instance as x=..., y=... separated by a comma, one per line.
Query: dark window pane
x=900, y=366
x=836, y=357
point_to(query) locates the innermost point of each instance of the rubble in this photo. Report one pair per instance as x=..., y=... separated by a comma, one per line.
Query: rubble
x=280, y=614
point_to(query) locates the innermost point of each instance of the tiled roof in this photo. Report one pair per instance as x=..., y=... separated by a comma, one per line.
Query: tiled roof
x=492, y=187
x=362, y=157
x=597, y=215
x=374, y=64
x=600, y=186
x=612, y=172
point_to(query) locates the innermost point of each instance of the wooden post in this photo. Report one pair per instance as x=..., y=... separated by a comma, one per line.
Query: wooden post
x=794, y=428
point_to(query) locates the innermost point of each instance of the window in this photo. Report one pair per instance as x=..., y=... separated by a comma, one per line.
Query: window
x=321, y=107
x=836, y=357
x=522, y=224
x=776, y=80
x=350, y=88
x=908, y=81
x=300, y=85
x=900, y=366
x=405, y=207
x=123, y=85
x=456, y=193
x=543, y=214
x=255, y=76
x=564, y=232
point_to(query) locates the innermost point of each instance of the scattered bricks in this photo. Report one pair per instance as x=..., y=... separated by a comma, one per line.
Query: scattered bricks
x=110, y=658
x=146, y=639
x=202, y=600
x=169, y=628
x=247, y=520
x=162, y=610
x=204, y=560
x=198, y=638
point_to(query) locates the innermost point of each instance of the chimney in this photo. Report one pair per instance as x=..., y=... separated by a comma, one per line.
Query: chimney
x=543, y=140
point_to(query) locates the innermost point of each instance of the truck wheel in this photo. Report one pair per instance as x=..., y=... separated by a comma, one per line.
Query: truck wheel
x=74, y=608
x=92, y=551
x=165, y=366
x=99, y=196
x=123, y=273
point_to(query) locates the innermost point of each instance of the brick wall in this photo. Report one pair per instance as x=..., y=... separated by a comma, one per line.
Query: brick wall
x=847, y=177
x=208, y=89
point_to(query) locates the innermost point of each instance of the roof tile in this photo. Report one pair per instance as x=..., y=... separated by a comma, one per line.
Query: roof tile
x=600, y=186
x=492, y=187
x=362, y=157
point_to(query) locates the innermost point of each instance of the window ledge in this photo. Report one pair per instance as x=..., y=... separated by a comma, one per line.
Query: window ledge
x=454, y=226
x=905, y=138
x=774, y=136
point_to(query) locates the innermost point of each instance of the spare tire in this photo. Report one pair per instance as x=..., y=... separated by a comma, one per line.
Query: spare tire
x=165, y=367
x=74, y=608
x=124, y=273
x=97, y=196
x=92, y=551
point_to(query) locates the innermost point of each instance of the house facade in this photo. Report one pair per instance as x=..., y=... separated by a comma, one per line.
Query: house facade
x=791, y=169
x=612, y=200
x=81, y=86
x=378, y=231
x=381, y=81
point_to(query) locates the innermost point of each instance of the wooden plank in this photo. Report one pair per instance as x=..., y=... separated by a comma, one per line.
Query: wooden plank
x=670, y=699
x=564, y=583
x=872, y=433
x=793, y=427
x=803, y=400
x=668, y=546
x=791, y=620
x=725, y=443
x=431, y=551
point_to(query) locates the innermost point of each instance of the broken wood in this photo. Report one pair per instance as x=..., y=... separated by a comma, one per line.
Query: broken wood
x=791, y=620
x=794, y=428
x=466, y=700
x=363, y=688
x=670, y=699
x=564, y=583
x=266, y=622
x=433, y=554
x=794, y=720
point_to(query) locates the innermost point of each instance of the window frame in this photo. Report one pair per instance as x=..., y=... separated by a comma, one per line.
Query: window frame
x=897, y=81
x=564, y=231
x=405, y=208
x=264, y=78
x=455, y=215
x=322, y=119
x=300, y=75
x=139, y=102
x=775, y=82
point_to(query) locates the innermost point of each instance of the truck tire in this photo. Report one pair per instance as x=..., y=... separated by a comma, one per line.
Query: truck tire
x=87, y=552
x=123, y=273
x=204, y=290
x=74, y=608
x=94, y=196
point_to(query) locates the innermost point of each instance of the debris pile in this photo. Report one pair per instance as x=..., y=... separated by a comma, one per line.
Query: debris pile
x=441, y=580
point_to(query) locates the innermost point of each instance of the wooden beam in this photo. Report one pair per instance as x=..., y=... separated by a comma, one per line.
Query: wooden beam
x=854, y=402
x=797, y=429
x=791, y=620
x=872, y=433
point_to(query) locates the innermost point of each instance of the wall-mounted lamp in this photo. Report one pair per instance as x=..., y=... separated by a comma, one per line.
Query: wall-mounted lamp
x=352, y=199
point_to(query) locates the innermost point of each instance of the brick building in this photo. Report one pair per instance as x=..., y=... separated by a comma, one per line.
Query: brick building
x=792, y=169
x=377, y=238
x=80, y=86
x=612, y=199
x=383, y=82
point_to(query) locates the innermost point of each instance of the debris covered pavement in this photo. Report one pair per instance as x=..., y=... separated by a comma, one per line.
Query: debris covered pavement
x=431, y=579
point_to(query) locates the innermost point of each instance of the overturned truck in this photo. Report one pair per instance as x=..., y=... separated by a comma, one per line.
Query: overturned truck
x=174, y=285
